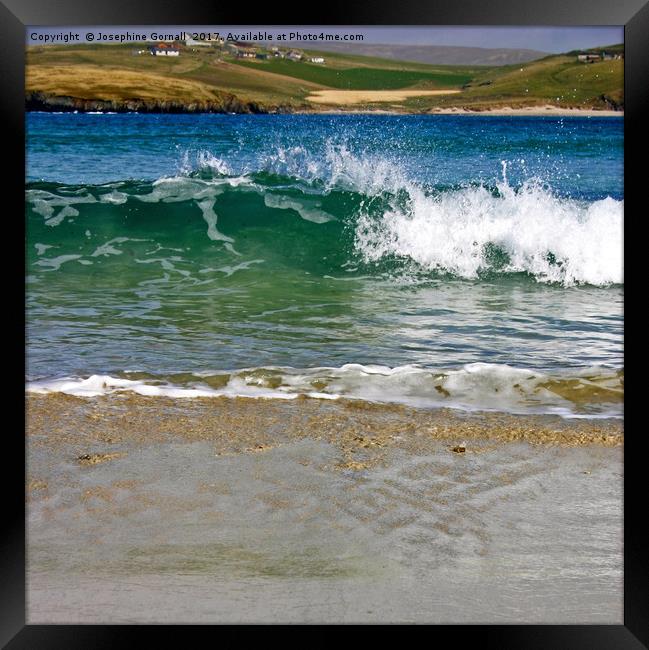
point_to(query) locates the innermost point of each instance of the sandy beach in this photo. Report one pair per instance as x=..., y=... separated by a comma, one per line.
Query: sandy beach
x=529, y=111
x=242, y=510
x=343, y=99
x=346, y=97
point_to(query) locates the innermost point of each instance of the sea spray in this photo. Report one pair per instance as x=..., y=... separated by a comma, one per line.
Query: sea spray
x=461, y=231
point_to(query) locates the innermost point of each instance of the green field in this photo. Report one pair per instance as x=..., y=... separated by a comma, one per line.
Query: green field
x=118, y=73
x=362, y=77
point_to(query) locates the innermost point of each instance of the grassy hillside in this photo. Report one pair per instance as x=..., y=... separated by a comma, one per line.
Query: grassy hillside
x=99, y=72
x=116, y=73
x=433, y=54
x=374, y=75
x=555, y=80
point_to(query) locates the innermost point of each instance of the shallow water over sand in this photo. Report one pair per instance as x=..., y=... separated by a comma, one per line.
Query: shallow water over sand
x=251, y=518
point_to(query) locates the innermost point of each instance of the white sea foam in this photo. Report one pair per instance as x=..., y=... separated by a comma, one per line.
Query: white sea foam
x=41, y=248
x=97, y=385
x=54, y=263
x=114, y=197
x=531, y=228
x=308, y=209
x=554, y=239
x=107, y=248
x=592, y=392
x=45, y=204
x=210, y=216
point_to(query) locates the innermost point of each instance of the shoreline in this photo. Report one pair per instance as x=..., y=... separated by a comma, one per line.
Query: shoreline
x=534, y=111
x=231, y=424
x=531, y=111
x=232, y=106
x=495, y=112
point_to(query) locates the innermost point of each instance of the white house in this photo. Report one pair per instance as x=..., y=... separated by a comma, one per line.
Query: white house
x=164, y=49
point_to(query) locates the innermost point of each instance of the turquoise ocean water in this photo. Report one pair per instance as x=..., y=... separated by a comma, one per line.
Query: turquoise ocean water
x=464, y=261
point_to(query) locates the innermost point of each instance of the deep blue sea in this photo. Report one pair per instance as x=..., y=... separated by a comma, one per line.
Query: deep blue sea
x=465, y=261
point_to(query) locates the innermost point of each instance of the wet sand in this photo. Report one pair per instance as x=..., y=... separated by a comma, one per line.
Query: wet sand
x=237, y=510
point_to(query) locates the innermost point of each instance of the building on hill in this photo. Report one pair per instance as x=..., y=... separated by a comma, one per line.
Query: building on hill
x=165, y=49
x=294, y=55
x=241, y=50
x=316, y=59
x=588, y=58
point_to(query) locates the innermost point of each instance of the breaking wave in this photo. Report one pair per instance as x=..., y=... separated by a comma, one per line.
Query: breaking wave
x=343, y=208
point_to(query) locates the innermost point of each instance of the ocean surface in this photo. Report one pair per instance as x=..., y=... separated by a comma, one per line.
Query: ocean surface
x=437, y=261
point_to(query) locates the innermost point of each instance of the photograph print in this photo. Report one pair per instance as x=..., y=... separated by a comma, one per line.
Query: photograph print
x=324, y=324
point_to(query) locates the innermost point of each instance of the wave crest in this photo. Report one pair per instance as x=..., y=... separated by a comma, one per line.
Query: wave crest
x=471, y=231
x=384, y=216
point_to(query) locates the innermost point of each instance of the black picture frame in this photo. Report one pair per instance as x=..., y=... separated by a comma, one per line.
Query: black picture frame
x=15, y=15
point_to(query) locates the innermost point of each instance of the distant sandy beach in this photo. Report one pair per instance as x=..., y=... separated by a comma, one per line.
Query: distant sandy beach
x=346, y=97
x=530, y=111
